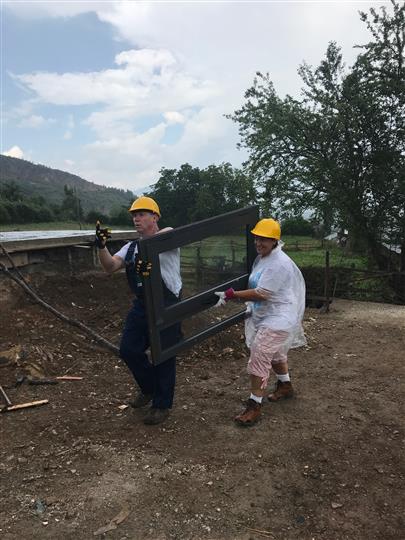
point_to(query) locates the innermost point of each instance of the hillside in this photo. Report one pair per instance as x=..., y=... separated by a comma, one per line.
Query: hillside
x=49, y=183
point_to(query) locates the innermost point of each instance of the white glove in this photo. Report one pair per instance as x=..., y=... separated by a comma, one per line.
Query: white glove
x=221, y=299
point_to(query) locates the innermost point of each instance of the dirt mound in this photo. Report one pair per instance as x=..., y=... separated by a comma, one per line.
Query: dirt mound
x=326, y=464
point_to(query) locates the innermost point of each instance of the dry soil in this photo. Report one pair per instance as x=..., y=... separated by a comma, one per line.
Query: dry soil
x=328, y=464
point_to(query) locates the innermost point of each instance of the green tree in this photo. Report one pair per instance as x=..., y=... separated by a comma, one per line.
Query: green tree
x=297, y=226
x=340, y=149
x=10, y=191
x=191, y=194
x=71, y=207
x=4, y=214
x=120, y=215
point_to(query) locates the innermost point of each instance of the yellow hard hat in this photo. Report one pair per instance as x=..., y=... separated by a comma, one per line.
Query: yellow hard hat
x=268, y=228
x=145, y=203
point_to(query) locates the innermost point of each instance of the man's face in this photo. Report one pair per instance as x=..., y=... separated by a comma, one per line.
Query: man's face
x=264, y=245
x=144, y=222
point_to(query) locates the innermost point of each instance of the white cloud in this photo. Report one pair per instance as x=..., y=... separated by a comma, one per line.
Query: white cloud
x=134, y=160
x=228, y=42
x=145, y=81
x=33, y=121
x=15, y=151
x=70, y=127
x=174, y=117
x=71, y=122
x=190, y=64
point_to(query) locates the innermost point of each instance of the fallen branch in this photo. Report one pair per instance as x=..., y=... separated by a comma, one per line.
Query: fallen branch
x=73, y=322
x=267, y=534
x=7, y=399
x=10, y=260
x=25, y=405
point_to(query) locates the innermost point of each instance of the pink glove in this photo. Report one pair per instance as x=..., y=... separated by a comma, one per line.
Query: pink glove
x=224, y=297
x=229, y=294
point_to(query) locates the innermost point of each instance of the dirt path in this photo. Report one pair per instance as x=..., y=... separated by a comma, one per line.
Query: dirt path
x=328, y=464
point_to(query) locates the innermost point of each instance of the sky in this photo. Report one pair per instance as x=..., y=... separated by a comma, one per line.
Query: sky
x=114, y=91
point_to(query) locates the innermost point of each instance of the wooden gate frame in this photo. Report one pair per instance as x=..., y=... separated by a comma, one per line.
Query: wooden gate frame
x=161, y=317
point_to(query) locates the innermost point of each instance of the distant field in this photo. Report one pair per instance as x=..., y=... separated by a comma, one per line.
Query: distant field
x=316, y=257
x=304, y=250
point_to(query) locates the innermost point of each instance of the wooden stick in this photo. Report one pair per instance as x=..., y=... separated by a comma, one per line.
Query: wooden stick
x=58, y=314
x=25, y=405
x=268, y=534
x=5, y=396
x=68, y=378
x=10, y=259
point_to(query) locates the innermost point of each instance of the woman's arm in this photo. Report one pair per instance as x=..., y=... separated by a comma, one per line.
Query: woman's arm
x=252, y=295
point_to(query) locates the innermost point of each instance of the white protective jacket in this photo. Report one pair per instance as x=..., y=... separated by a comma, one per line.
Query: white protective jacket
x=280, y=281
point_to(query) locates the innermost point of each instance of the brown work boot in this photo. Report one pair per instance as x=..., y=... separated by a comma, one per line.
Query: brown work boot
x=250, y=415
x=155, y=416
x=284, y=390
x=141, y=400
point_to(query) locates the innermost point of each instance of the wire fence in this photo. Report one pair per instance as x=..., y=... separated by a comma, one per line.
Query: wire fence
x=329, y=273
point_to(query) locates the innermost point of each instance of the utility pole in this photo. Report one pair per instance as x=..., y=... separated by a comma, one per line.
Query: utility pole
x=78, y=208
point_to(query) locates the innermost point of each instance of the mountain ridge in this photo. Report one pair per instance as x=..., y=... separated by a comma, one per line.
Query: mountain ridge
x=40, y=180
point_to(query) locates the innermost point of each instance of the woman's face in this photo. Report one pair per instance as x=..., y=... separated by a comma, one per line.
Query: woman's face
x=264, y=245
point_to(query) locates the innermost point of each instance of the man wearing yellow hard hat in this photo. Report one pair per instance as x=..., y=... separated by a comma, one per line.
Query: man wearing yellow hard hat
x=156, y=383
x=275, y=301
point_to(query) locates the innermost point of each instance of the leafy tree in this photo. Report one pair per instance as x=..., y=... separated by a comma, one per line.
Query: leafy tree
x=120, y=215
x=297, y=226
x=176, y=193
x=93, y=216
x=71, y=207
x=4, y=213
x=340, y=148
x=190, y=193
x=15, y=207
x=11, y=191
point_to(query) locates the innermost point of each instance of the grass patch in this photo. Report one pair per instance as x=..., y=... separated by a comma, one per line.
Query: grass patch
x=337, y=258
x=304, y=250
x=229, y=248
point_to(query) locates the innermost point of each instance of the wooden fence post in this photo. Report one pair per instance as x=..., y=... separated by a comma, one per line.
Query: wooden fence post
x=198, y=267
x=327, y=281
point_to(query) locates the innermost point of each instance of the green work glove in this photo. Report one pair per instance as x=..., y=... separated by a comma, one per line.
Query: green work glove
x=143, y=268
x=102, y=235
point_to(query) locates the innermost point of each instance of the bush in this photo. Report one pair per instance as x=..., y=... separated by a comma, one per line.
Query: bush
x=120, y=216
x=25, y=212
x=93, y=216
x=297, y=226
x=4, y=214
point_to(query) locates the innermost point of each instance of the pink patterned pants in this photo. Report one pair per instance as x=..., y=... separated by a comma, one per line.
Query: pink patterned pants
x=268, y=347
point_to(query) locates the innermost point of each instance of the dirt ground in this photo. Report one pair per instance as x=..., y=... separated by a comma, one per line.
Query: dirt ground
x=328, y=464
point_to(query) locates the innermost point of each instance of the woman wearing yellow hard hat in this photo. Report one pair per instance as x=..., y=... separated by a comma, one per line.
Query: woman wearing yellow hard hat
x=275, y=301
